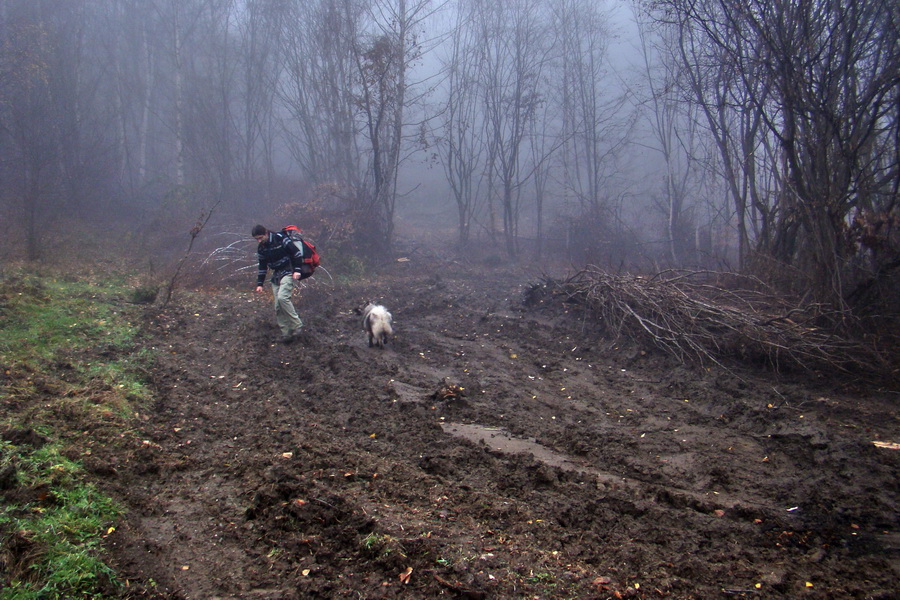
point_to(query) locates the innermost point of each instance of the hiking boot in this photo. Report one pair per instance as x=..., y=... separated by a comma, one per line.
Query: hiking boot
x=295, y=334
x=286, y=339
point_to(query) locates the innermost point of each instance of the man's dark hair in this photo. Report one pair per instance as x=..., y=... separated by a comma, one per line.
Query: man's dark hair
x=259, y=230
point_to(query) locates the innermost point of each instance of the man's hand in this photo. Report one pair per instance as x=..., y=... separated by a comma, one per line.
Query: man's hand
x=296, y=276
x=259, y=289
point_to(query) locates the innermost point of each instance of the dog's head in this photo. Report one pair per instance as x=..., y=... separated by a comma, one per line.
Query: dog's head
x=364, y=308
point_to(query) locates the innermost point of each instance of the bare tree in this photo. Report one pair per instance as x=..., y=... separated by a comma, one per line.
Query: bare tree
x=516, y=43
x=546, y=139
x=129, y=55
x=384, y=61
x=28, y=119
x=259, y=42
x=51, y=102
x=380, y=97
x=596, y=123
x=823, y=81
x=674, y=127
x=460, y=145
x=316, y=87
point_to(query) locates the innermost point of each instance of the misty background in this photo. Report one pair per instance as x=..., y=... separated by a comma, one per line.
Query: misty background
x=760, y=136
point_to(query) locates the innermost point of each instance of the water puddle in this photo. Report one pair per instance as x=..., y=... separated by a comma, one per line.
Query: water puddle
x=406, y=393
x=502, y=441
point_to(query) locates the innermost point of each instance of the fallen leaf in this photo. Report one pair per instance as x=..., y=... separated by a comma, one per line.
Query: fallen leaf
x=185, y=568
x=287, y=454
x=887, y=445
x=405, y=575
x=305, y=572
x=808, y=584
x=719, y=512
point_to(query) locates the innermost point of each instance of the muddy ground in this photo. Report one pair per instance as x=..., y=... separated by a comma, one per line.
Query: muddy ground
x=494, y=449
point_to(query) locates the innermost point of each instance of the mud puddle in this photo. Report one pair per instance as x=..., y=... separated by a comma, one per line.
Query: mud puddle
x=500, y=440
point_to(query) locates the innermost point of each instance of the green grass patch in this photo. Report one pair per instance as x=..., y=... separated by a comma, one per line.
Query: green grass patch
x=51, y=528
x=44, y=318
x=72, y=379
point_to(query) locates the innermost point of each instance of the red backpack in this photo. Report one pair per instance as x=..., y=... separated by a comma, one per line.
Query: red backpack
x=310, y=255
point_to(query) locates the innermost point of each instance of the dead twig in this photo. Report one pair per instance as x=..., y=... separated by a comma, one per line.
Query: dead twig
x=195, y=231
x=696, y=317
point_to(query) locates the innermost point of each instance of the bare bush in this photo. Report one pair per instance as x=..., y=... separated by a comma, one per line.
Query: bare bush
x=703, y=317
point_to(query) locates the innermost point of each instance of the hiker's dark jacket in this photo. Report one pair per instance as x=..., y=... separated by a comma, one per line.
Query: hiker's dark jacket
x=280, y=254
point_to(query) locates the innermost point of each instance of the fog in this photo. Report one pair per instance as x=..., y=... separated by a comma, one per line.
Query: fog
x=674, y=134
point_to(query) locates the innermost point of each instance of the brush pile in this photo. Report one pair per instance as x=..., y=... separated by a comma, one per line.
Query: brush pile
x=703, y=317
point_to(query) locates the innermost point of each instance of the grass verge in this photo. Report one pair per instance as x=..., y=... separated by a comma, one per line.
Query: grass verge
x=70, y=385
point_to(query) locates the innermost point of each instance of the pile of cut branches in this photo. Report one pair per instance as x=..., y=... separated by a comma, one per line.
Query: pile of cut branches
x=702, y=317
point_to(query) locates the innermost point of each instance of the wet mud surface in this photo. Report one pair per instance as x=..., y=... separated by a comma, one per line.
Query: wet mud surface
x=493, y=449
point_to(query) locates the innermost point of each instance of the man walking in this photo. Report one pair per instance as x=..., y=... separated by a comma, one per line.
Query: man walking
x=278, y=252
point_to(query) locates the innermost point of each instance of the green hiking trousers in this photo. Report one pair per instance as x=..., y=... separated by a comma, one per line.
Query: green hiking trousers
x=285, y=313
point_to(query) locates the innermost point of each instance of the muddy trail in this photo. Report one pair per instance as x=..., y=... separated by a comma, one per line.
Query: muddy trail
x=494, y=449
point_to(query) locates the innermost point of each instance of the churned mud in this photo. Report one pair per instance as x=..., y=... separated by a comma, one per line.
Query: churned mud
x=494, y=449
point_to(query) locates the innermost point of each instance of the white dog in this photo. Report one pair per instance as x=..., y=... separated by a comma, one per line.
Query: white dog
x=377, y=323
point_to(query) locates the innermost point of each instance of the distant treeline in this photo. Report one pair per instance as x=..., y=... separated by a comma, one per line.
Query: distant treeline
x=761, y=135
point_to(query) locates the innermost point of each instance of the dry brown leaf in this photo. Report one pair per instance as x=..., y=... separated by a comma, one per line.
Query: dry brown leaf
x=405, y=575
x=887, y=445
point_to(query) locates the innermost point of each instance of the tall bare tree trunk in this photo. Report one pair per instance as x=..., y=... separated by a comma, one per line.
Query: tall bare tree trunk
x=177, y=42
